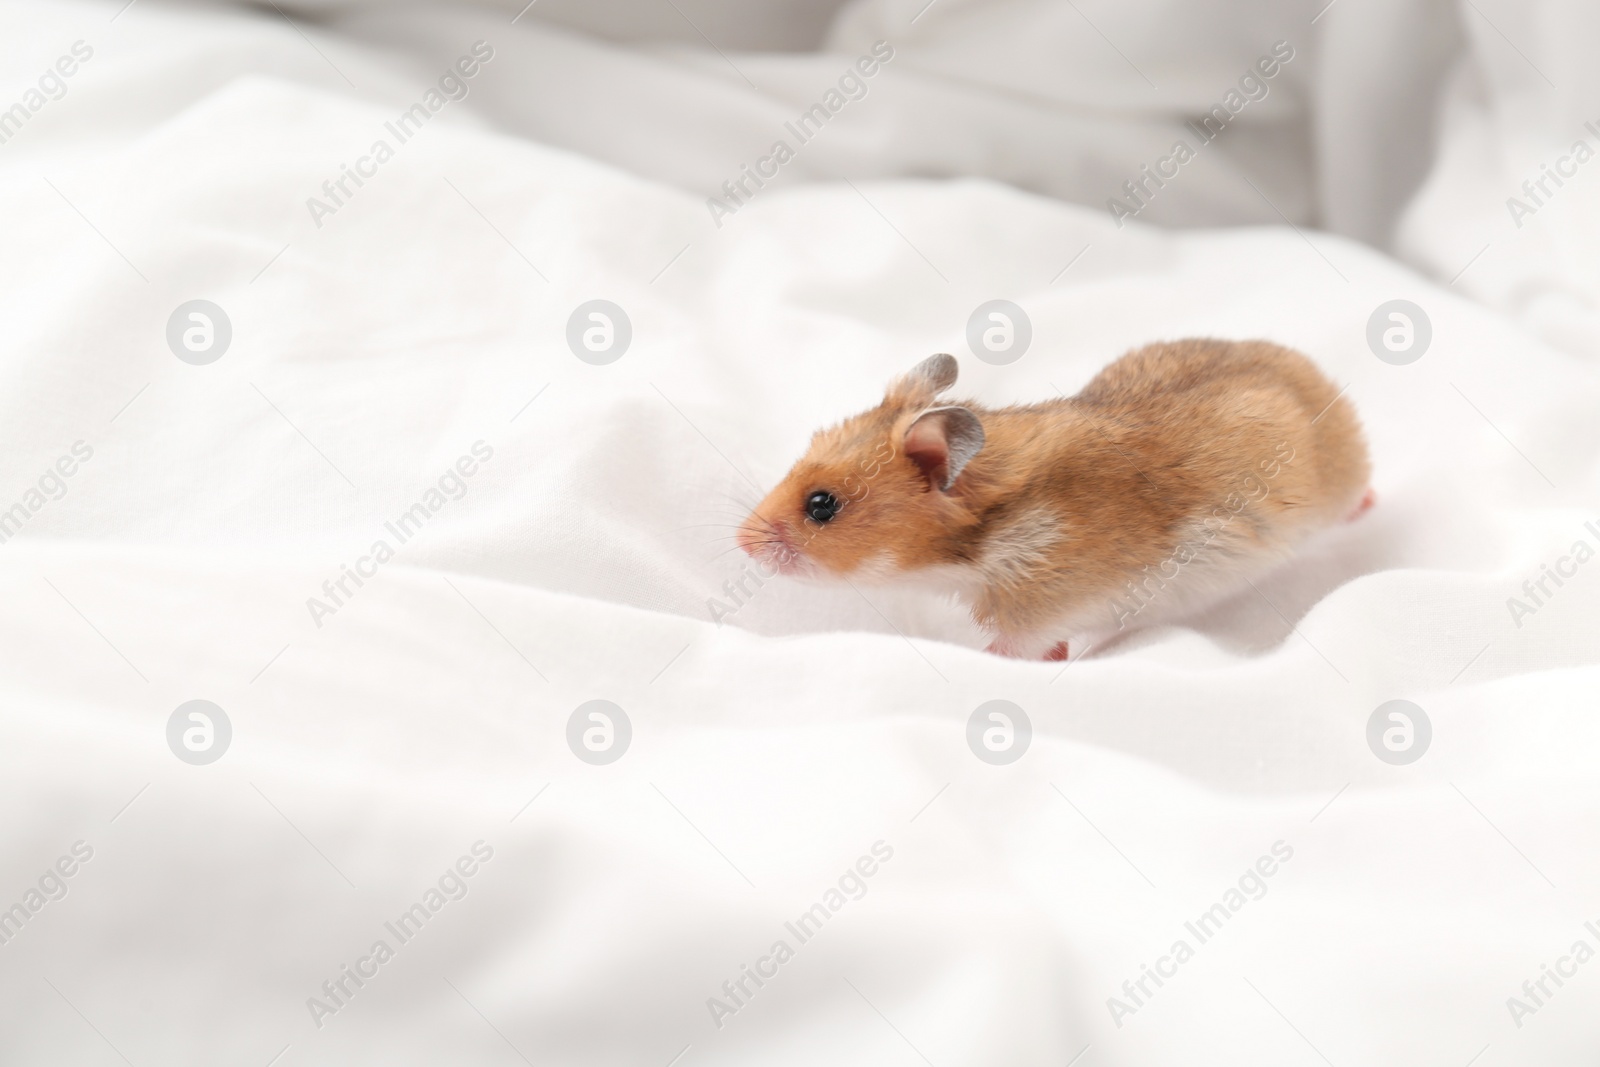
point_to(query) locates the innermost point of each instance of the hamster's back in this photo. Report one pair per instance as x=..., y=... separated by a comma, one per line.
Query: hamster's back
x=1210, y=406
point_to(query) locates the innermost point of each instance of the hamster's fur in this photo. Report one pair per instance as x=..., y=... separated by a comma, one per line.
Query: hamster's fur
x=1181, y=471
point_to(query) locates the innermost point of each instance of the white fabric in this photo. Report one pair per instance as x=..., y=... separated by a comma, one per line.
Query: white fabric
x=771, y=752
x=1517, y=106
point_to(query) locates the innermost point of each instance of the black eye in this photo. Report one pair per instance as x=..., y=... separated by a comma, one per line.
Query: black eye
x=822, y=505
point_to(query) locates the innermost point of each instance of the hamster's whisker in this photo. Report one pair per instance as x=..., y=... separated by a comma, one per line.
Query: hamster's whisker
x=740, y=515
x=738, y=498
x=725, y=551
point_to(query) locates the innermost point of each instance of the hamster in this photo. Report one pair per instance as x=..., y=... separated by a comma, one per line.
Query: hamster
x=1182, y=471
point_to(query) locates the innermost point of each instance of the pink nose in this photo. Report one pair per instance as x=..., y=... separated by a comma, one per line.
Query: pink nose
x=748, y=538
x=758, y=537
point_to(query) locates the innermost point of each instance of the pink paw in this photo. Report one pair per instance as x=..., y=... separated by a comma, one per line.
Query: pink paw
x=1001, y=647
x=1369, y=498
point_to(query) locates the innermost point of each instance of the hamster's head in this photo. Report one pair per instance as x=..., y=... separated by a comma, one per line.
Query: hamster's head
x=877, y=495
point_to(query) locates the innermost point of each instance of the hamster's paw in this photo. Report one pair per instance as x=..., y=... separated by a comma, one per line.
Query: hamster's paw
x=1369, y=498
x=1027, y=648
x=1002, y=647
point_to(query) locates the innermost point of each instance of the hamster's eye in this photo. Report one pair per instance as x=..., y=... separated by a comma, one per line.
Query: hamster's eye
x=822, y=505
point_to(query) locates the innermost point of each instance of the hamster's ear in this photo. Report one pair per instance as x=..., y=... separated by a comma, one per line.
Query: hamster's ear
x=941, y=441
x=925, y=381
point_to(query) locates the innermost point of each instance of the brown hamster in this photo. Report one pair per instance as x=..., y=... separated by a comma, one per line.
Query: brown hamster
x=1181, y=471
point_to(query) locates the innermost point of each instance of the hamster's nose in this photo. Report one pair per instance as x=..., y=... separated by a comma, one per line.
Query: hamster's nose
x=759, y=538
x=750, y=534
